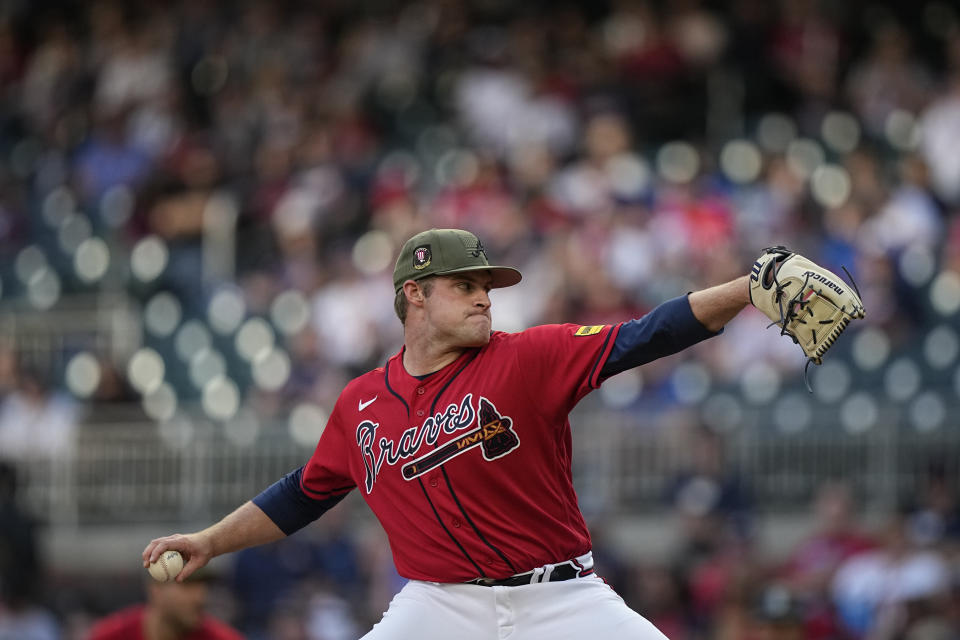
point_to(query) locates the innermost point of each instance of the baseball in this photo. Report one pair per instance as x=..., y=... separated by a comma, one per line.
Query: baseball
x=167, y=566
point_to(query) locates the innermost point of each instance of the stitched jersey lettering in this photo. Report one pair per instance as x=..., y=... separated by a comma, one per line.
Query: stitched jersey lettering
x=375, y=452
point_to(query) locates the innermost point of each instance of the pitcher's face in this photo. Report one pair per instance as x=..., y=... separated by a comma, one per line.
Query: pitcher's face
x=458, y=309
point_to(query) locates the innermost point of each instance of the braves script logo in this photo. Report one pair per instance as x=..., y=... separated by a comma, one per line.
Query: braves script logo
x=494, y=435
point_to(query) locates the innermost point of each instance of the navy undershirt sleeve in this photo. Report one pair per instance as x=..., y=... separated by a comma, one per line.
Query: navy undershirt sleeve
x=289, y=507
x=667, y=329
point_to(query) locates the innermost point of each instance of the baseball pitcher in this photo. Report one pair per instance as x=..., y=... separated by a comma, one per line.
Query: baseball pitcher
x=461, y=444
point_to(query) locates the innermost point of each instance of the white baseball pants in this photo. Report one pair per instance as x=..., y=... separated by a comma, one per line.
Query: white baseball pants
x=579, y=608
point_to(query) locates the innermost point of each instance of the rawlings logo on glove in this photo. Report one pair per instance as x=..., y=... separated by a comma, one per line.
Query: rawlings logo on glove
x=809, y=303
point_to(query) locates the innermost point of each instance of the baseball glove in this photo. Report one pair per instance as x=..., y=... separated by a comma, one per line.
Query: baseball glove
x=809, y=303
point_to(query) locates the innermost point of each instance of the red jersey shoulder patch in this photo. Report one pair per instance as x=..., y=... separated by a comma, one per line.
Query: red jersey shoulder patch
x=589, y=330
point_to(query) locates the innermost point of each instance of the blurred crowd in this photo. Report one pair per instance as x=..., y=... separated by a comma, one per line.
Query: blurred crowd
x=246, y=172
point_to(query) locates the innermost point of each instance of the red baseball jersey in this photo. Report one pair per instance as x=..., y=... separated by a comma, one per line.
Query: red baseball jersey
x=128, y=625
x=468, y=469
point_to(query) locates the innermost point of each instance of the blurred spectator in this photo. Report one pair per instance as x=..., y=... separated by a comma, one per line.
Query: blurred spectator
x=777, y=616
x=20, y=569
x=267, y=578
x=36, y=422
x=713, y=552
x=878, y=593
x=318, y=573
x=713, y=502
x=940, y=131
x=21, y=617
x=808, y=570
x=934, y=519
x=661, y=596
x=173, y=611
x=329, y=615
x=887, y=79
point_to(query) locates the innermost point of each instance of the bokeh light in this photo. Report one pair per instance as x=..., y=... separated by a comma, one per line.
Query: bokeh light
x=145, y=370
x=741, y=161
x=871, y=348
x=290, y=312
x=940, y=347
x=83, y=374
x=271, y=369
x=840, y=131
x=192, y=338
x=306, y=424
x=927, y=412
x=57, y=206
x=792, y=413
x=116, y=206
x=72, y=232
x=917, y=264
x=206, y=365
x=804, y=156
x=629, y=175
x=678, y=162
x=722, y=412
x=691, y=382
x=226, y=310
x=456, y=168
x=149, y=258
x=830, y=381
x=859, y=413
x=28, y=262
x=373, y=252
x=760, y=383
x=902, y=379
x=775, y=132
x=945, y=293
x=623, y=389
x=253, y=338
x=902, y=130
x=162, y=314
x=221, y=398
x=830, y=185
x=161, y=403
x=91, y=260
x=43, y=289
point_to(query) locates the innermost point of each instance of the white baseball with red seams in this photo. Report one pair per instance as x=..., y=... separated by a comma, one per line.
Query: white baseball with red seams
x=167, y=567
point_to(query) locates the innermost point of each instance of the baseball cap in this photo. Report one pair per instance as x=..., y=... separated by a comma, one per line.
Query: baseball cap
x=445, y=252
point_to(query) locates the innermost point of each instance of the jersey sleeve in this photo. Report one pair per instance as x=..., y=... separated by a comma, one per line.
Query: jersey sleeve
x=563, y=360
x=305, y=494
x=668, y=329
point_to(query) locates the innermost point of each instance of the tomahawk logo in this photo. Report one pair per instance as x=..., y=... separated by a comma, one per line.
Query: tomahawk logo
x=494, y=435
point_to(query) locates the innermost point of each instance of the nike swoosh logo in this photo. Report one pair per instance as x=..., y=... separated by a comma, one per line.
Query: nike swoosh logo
x=363, y=405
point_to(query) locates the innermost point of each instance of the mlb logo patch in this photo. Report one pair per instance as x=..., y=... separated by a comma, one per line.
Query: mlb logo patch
x=421, y=257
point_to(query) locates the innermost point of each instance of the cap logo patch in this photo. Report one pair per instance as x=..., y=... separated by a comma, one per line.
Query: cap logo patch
x=421, y=257
x=477, y=250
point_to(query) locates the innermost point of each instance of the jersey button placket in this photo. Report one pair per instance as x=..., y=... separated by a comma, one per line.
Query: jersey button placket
x=421, y=391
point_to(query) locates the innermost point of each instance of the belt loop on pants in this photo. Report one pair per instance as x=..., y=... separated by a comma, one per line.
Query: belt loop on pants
x=578, y=567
